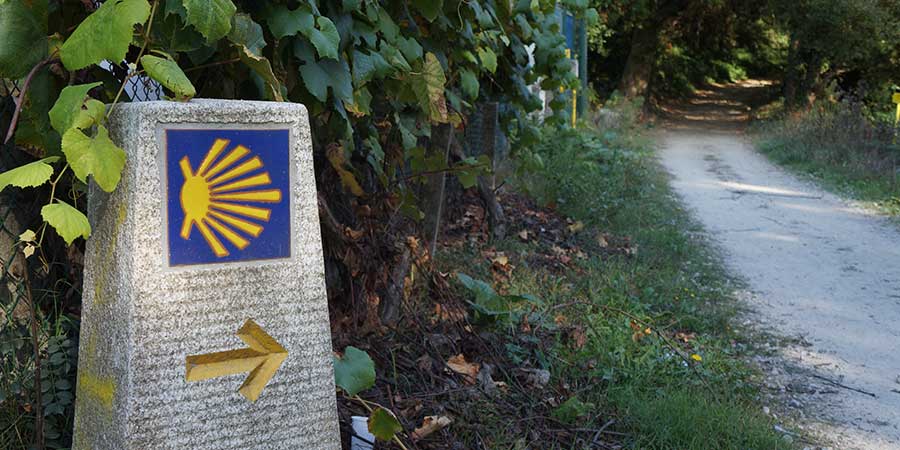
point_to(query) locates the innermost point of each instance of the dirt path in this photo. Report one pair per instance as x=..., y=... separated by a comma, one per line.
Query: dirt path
x=817, y=268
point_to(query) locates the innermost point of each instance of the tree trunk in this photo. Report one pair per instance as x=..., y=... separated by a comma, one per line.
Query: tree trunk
x=639, y=66
x=792, y=75
x=811, y=80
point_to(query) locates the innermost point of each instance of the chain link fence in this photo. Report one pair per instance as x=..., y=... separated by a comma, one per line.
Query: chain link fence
x=39, y=307
x=140, y=88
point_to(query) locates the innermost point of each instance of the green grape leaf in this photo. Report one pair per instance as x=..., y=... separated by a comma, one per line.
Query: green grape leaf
x=69, y=106
x=467, y=178
x=430, y=9
x=488, y=59
x=171, y=35
x=350, y=5
x=407, y=138
x=429, y=89
x=167, y=73
x=318, y=76
x=34, y=129
x=263, y=68
x=484, y=17
x=24, y=43
x=363, y=67
x=212, y=18
x=29, y=175
x=246, y=32
x=97, y=156
x=316, y=80
x=105, y=34
x=469, y=83
x=175, y=7
x=394, y=57
x=354, y=372
x=570, y=410
x=341, y=81
x=68, y=221
x=410, y=48
x=92, y=113
x=284, y=22
x=325, y=38
x=384, y=424
x=387, y=26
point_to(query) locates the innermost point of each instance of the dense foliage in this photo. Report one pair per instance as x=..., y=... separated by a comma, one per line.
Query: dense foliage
x=376, y=76
x=667, y=47
x=388, y=84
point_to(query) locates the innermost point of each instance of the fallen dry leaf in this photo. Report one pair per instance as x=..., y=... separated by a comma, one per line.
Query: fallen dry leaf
x=354, y=235
x=579, y=337
x=684, y=337
x=576, y=227
x=523, y=235
x=500, y=260
x=469, y=370
x=430, y=424
x=601, y=240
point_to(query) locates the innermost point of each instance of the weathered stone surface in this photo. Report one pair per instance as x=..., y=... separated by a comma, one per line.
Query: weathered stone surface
x=142, y=318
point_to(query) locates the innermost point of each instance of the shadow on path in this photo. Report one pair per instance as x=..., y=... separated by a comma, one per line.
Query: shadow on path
x=718, y=107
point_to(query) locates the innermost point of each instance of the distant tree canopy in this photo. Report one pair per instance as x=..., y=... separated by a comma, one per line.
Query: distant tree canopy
x=670, y=46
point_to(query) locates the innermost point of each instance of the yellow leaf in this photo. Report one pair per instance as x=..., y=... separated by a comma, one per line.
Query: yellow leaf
x=696, y=357
x=335, y=155
x=500, y=260
x=601, y=239
x=27, y=236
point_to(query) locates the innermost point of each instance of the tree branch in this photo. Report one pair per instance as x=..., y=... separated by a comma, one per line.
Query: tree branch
x=20, y=100
x=38, y=404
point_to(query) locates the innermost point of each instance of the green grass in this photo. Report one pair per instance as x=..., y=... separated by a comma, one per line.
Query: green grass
x=672, y=284
x=877, y=190
x=840, y=148
x=680, y=419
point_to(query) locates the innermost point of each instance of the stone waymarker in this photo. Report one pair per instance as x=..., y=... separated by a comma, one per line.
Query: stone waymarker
x=896, y=99
x=205, y=322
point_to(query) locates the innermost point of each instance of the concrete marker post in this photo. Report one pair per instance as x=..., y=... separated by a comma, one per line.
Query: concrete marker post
x=205, y=317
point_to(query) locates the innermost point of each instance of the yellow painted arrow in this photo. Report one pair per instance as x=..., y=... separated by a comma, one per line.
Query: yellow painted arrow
x=262, y=359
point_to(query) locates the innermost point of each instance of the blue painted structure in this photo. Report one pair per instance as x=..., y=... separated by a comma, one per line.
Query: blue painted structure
x=273, y=149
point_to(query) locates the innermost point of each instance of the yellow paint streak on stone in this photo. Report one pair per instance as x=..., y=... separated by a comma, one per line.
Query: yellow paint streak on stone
x=101, y=389
x=109, y=253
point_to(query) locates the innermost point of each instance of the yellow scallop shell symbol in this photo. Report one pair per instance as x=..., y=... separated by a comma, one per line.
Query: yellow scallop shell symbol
x=222, y=197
